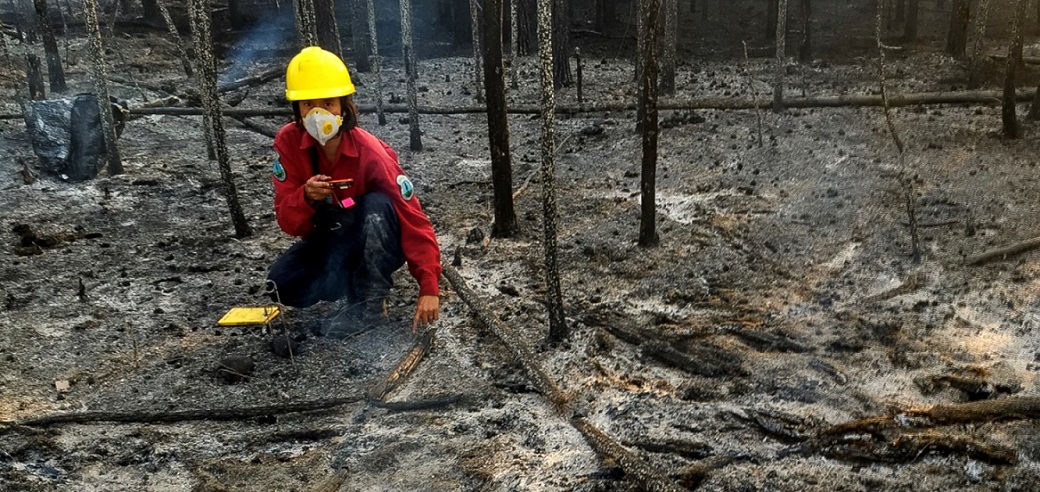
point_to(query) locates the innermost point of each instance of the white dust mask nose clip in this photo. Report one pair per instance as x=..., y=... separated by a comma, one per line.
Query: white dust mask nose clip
x=322, y=125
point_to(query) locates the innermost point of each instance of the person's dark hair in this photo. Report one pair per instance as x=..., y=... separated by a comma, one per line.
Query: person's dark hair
x=348, y=108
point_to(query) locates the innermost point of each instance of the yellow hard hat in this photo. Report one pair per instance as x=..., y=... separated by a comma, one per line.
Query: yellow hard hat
x=316, y=74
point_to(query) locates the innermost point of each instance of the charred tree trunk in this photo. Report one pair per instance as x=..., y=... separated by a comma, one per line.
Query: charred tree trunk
x=526, y=27
x=55, y=72
x=498, y=121
x=668, y=61
x=34, y=77
x=377, y=62
x=649, y=13
x=24, y=23
x=514, y=49
x=805, y=50
x=306, y=28
x=557, y=323
x=957, y=37
x=900, y=11
x=175, y=36
x=199, y=17
x=97, y=53
x=411, y=72
x=3, y=44
x=362, y=21
x=772, y=10
x=236, y=14
x=328, y=28
x=478, y=68
x=913, y=10
x=150, y=11
x=781, y=37
x=1008, y=110
x=976, y=50
x=561, y=41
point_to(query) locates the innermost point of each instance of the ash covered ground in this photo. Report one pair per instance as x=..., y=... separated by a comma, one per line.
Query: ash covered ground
x=789, y=263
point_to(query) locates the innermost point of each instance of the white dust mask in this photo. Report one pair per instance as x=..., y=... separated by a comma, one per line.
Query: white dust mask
x=322, y=125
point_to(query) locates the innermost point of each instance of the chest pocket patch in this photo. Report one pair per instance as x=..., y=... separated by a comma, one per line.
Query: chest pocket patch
x=278, y=171
x=407, y=189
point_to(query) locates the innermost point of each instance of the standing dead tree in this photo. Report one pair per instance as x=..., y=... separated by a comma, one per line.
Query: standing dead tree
x=906, y=181
x=478, y=70
x=377, y=62
x=498, y=121
x=328, y=29
x=668, y=58
x=55, y=72
x=957, y=37
x=34, y=77
x=650, y=14
x=561, y=32
x=514, y=46
x=199, y=18
x=557, y=323
x=805, y=49
x=976, y=50
x=913, y=10
x=3, y=43
x=410, y=73
x=97, y=52
x=175, y=37
x=363, y=11
x=781, y=56
x=306, y=22
x=1008, y=110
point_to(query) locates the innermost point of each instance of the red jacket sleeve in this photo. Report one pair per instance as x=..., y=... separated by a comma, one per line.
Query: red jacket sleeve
x=417, y=237
x=293, y=211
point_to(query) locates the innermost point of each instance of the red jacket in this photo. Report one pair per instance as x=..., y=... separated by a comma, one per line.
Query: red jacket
x=373, y=166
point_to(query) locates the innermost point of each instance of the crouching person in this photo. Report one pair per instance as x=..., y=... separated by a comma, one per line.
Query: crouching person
x=342, y=192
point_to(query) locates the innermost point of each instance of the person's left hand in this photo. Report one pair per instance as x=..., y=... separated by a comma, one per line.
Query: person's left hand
x=427, y=310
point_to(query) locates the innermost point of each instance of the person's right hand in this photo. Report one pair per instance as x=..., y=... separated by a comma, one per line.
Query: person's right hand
x=317, y=187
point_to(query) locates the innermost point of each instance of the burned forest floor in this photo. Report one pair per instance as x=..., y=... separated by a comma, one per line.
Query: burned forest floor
x=782, y=298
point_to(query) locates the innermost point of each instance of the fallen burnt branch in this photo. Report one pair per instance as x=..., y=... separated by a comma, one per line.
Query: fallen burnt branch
x=1004, y=409
x=687, y=449
x=182, y=415
x=905, y=447
x=786, y=427
x=692, y=475
x=1005, y=252
x=647, y=477
x=412, y=406
x=259, y=127
x=763, y=341
x=260, y=78
x=851, y=100
x=404, y=367
x=700, y=360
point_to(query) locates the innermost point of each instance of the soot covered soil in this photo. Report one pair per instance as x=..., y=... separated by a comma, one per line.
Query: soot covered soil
x=786, y=267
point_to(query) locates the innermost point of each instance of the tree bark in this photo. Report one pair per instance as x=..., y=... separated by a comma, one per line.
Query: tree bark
x=957, y=37
x=327, y=27
x=650, y=15
x=306, y=28
x=781, y=56
x=497, y=118
x=150, y=11
x=3, y=44
x=976, y=51
x=34, y=77
x=199, y=17
x=478, y=69
x=1009, y=115
x=99, y=69
x=772, y=11
x=411, y=72
x=377, y=62
x=175, y=37
x=561, y=42
x=55, y=72
x=913, y=9
x=805, y=50
x=668, y=60
x=362, y=24
x=546, y=57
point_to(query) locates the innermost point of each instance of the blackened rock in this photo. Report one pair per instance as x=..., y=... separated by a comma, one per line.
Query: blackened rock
x=284, y=347
x=475, y=236
x=235, y=368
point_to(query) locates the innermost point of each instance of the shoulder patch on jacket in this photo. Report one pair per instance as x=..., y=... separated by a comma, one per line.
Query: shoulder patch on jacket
x=278, y=170
x=407, y=190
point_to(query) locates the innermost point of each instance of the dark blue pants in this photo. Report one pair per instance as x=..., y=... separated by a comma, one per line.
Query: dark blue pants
x=355, y=260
